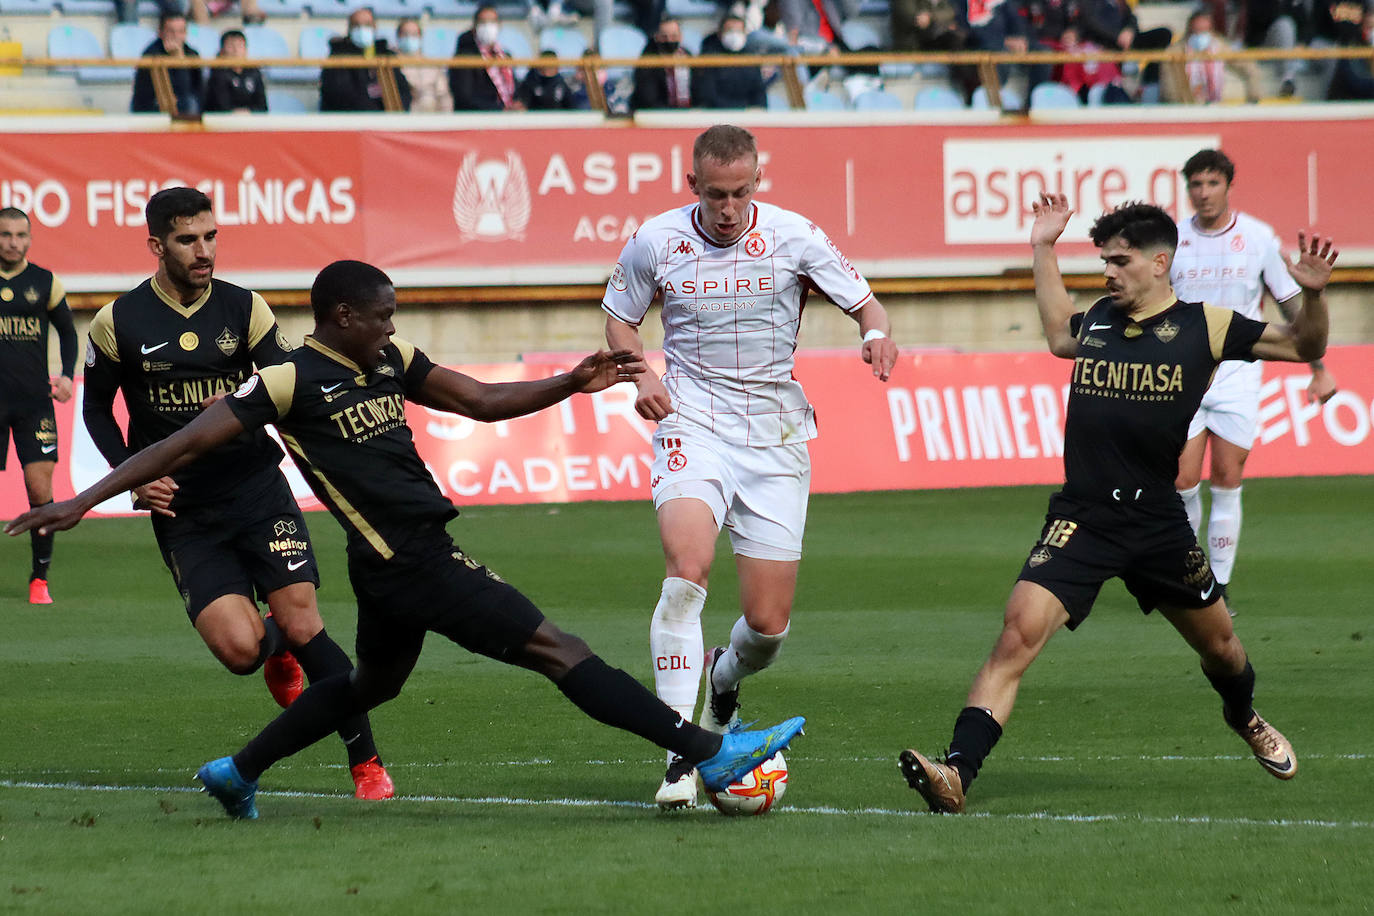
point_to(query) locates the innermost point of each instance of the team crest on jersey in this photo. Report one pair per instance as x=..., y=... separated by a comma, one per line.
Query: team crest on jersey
x=684, y=247
x=6, y=294
x=227, y=341
x=1166, y=331
x=491, y=199
x=676, y=461
x=1237, y=242
x=1039, y=555
x=754, y=246
x=385, y=369
x=31, y=296
x=618, y=281
x=283, y=342
x=188, y=341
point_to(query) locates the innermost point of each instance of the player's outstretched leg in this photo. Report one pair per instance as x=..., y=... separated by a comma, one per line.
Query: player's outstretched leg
x=944, y=784
x=222, y=780
x=1271, y=748
x=939, y=783
x=741, y=751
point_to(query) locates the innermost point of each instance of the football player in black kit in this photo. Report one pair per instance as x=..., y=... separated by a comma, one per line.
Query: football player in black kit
x=339, y=404
x=227, y=525
x=1142, y=361
x=31, y=299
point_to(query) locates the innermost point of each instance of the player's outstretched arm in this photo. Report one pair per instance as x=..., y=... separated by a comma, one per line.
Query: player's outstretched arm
x=444, y=389
x=211, y=429
x=653, y=401
x=1052, y=214
x=879, y=351
x=1304, y=340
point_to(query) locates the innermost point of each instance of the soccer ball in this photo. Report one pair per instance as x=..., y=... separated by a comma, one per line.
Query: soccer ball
x=756, y=791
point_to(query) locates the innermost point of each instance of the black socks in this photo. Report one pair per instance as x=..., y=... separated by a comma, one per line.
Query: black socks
x=975, y=734
x=1237, y=694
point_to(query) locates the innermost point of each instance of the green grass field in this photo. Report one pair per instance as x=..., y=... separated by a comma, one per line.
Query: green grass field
x=1116, y=787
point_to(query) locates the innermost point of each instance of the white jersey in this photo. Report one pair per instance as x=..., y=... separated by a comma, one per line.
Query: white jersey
x=731, y=314
x=1231, y=267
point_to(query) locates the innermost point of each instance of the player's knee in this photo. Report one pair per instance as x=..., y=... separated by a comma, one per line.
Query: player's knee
x=1187, y=479
x=239, y=658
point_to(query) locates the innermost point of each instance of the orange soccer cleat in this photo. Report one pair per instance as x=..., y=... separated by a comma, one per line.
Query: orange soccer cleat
x=38, y=592
x=284, y=678
x=371, y=782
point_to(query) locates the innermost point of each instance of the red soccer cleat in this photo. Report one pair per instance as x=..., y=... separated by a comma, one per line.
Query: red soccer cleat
x=371, y=782
x=38, y=592
x=284, y=678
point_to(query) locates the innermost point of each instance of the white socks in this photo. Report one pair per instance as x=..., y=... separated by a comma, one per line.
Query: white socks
x=1223, y=532
x=1192, y=504
x=749, y=653
x=675, y=643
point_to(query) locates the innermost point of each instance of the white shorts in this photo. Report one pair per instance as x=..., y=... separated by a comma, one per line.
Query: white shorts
x=1230, y=408
x=758, y=494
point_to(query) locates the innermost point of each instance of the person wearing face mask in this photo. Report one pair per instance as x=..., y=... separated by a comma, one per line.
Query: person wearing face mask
x=428, y=85
x=728, y=87
x=663, y=87
x=1205, y=73
x=483, y=89
x=358, y=88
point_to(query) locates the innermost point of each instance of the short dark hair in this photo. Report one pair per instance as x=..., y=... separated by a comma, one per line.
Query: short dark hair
x=1138, y=224
x=167, y=17
x=170, y=204
x=231, y=33
x=724, y=143
x=1210, y=160
x=345, y=281
x=482, y=8
x=14, y=213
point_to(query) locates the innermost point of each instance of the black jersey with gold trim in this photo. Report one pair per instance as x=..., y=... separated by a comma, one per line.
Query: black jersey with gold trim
x=1137, y=381
x=346, y=430
x=167, y=358
x=27, y=297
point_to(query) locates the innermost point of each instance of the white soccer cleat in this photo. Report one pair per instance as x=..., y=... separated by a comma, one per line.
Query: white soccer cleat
x=679, y=788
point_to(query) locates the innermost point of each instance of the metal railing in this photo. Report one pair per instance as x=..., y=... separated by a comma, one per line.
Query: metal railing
x=1172, y=61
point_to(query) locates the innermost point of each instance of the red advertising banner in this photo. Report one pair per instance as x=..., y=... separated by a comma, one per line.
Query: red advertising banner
x=944, y=420
x=531, y=205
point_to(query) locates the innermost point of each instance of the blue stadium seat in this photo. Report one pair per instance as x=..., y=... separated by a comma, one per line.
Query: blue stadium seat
x=279, y=102
x=30, y=7
x=938, y=98
x=203, y=38
x=313, y=43
x=73, y=7
x=858, y=34
x=1011, y=100
x=462, y=10
x=694, y=9
x=283, y=9
x=820, y=100
x=691, y=38
x=265, y=41
x=1053, y=95
x=568, y=43
x=438, y=41
x=516, y=45
x=72, y=41
x=620, y=42
x=128, y=39
x=877, y=100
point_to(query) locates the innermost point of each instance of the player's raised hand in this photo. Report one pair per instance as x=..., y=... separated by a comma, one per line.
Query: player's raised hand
x=1052, y=214
x=47, y=518
x=1316, y=257
x=605, y=368
x=881, y=354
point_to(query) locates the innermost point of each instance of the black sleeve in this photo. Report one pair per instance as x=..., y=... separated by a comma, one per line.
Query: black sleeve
x=420, y=367
x=259, y=100
x=217, y=92
x=1241, y=336
x=1076, y=323
x=60, y=317
x=758, y=96
x=97, y=406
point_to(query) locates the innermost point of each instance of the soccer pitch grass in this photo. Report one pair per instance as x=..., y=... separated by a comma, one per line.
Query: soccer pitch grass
x=1116, y=787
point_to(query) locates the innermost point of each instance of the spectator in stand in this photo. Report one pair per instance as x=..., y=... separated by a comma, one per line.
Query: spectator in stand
x=428, y=85
x=1082, y=76
x=926, y=25
x=127, y=10
x=1003, y=25
x=1282, y=24
x=813, y=26
x=1353, y=78
x=188, y=83
x=235, y=88
x=1205, y=74
x=1112, y=24
x=770, y=36
x=202, y=11
x=483, y=89
x=728, y=87
x=616, y=91
x=663, y=87
x=359, y=88
x=545, y=89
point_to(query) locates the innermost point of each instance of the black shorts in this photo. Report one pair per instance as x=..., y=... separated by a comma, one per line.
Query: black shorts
x=431, y=585
x=35, y=432
x=1151, y=548
x=250, y=545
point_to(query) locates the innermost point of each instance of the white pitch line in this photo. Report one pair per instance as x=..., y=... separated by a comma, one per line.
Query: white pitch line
x=502, y=801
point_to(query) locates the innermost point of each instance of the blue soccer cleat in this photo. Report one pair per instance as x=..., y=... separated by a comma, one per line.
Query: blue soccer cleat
x=741, y=751
x=222, y=780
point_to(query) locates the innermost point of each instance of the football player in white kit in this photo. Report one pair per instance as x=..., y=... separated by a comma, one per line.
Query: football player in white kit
x=730, y=448
x=1228, y=258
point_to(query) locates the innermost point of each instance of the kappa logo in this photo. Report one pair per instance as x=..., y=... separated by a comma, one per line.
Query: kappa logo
x=284, y=527
x=655, y=482
x=684, y=247
x=1166, y=331
x=491, y=198
x=754, y=246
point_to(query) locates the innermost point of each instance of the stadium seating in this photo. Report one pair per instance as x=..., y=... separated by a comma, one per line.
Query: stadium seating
x=27, y=7
x=437, y=41
x=283, y=8
x=203, y=39
x=620, y=42
x=313, y=43
x=1053, y=95
x=265, y=41
x=693, y=9
x=692, y=38
x=859, y=35
x=74, y=42
x=280, y=102
x=566, y=43
x=938, y=98
x=1011, y=99
x=820, y=100
x=877, y=100
x=516, y=45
